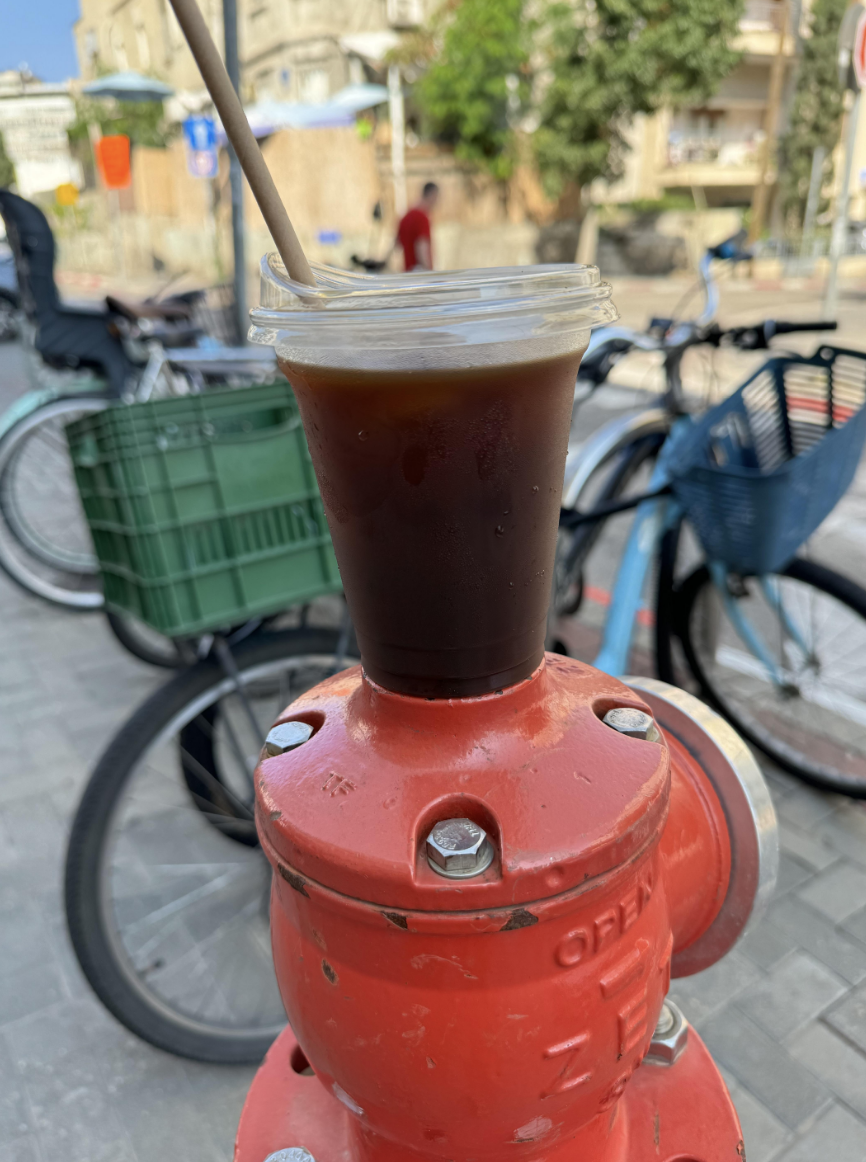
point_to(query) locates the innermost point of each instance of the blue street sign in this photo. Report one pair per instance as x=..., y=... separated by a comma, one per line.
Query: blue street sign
x=201, y=149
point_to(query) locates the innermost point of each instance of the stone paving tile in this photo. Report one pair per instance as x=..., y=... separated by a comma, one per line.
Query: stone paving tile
x=837, y=1136
x=705, y=993
x=845, y=831
x=833, y=1061
x=790, y=996
x=790, y=1092
x=792, y=874
x=856, y=925
x=819, y=937
x=813, y=852
x=763, y=1133
x=765, y=946
x=849, y=1018
x=838, y=892
x=805, y=807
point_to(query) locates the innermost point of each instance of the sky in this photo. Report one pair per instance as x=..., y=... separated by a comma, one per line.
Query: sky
x=39, y=32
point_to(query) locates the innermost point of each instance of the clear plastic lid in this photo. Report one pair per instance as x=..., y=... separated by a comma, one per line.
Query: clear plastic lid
x=445, y=319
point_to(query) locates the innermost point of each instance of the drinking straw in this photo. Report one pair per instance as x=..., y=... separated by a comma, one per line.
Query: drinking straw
x=246, y=147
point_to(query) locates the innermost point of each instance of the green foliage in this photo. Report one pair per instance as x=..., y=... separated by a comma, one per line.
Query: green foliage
x=673, y=201
x=477, y=83
x=7, y=169
x=143, y=122
x=610, y=59
x=817, y=110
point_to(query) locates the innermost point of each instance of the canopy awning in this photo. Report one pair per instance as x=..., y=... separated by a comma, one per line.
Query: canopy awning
x=266, y=117
x=129, y=86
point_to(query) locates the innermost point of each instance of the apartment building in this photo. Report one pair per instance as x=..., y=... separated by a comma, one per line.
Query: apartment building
x=34, y=118
x=291, y=50
x=713, y=151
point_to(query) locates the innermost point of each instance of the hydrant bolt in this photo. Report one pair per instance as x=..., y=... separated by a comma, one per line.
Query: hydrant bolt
x=459, y=848
x=670, y=1038
x=287, y=736
x=293, y=1154
x=634, y=723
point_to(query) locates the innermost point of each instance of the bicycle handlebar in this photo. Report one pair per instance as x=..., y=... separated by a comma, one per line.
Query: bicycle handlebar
x=788, y=328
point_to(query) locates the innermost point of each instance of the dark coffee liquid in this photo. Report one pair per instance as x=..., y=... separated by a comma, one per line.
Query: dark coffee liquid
x=442, y=491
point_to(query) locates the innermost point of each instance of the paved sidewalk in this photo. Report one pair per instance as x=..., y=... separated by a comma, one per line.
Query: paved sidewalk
x=784, y=1014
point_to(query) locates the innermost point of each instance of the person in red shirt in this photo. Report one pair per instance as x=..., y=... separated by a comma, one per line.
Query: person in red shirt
x=413, y=233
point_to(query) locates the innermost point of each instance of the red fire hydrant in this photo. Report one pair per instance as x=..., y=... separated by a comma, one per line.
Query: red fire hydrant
x=483, y=885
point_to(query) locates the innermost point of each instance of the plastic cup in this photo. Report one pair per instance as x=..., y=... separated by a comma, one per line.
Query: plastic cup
x=437, y=410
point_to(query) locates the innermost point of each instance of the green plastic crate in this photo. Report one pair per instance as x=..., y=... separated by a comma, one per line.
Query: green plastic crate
x=203, y=509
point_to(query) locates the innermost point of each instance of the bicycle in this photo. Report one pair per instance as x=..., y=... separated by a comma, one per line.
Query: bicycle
x=753, y=636
x=208, y=522
x=81, y=362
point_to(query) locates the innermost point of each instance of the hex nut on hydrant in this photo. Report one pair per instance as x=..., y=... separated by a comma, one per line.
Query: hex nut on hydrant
x=634, y=723
x=292, y=1154
x=286, y=736
x=459, y=848
x=670, y=1038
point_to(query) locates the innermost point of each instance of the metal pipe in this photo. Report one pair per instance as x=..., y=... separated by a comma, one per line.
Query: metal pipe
x=398, y=139
x=840, y=220
x=236, y=177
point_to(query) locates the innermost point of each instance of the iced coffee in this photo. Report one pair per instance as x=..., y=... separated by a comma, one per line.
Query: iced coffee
x=438, y=436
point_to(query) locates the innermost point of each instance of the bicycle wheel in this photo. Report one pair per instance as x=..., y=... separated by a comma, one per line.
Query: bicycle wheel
x=579, y=570
x=8, y=318
x=44, y=540
x=166, y=888
x=814, y=723
x=144, y=643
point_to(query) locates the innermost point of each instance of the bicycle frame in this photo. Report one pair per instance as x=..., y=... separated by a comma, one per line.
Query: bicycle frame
x=652, y=519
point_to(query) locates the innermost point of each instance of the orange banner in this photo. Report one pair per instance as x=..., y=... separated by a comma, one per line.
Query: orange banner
x=112, y=157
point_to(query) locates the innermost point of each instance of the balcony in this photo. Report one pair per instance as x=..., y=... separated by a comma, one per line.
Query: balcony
x=711, y=157
x=762, y=16
x=760, y=26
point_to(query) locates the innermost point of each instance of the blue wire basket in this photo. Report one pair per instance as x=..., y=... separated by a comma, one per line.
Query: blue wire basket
x=758, y=473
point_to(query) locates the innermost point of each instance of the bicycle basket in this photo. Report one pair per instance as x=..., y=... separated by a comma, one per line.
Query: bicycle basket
x=759, y=472
x=203, y=509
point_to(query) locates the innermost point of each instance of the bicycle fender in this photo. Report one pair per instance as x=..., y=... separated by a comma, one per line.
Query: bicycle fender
x=32, y=401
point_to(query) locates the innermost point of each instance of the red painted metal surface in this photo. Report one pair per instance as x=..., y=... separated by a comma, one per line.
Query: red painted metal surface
x=508, y=1014
x=680, y=1113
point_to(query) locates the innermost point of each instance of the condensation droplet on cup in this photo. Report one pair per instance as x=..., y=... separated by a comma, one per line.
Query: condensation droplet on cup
x=362, y=435
x=535, y=488
x=500, y=531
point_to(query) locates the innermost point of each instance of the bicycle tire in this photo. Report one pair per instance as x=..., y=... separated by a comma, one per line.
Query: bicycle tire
x=666, y=604
x=793, y=712
x=106, y=965
x=70, y=585
x=143, y=643
x=8, y=317
x=584, y=537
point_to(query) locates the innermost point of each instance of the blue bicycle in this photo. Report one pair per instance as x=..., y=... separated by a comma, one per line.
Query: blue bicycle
x=776, y=642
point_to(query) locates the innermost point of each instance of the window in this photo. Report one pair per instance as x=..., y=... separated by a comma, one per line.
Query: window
x=314, y=86
x=405, y=13
x=141, y=42
x=118, y=49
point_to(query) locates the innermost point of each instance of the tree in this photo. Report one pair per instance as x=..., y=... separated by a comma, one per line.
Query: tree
x=607, y=60
x=143, y=122
x=7, y=169
x=817, y=110
x=477, y=82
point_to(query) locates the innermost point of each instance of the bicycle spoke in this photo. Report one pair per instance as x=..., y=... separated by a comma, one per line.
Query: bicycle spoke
x=818, y=721
x=187, y=885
